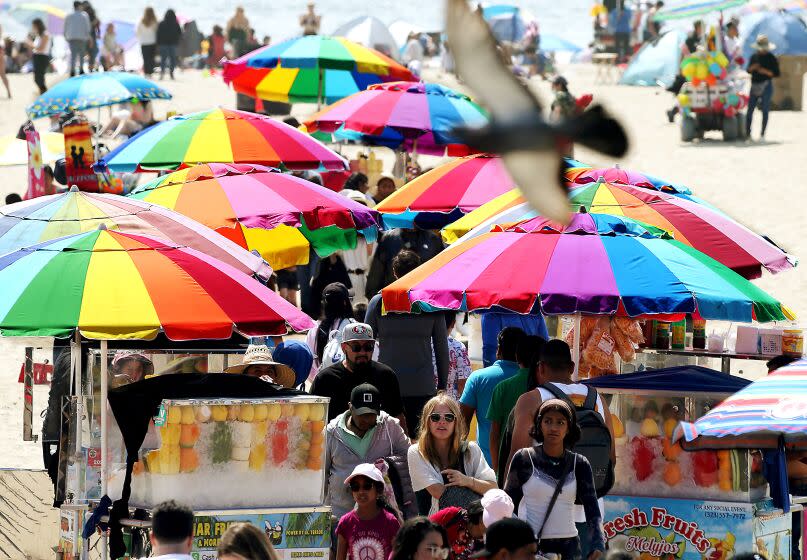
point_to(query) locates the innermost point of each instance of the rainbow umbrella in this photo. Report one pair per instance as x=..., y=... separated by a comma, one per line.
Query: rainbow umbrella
x=96, y=89
x=770, y=411
x=694, y=8
x=561, y=271
x=276, y=214
x=113, y=285
x=505, y=208
x=14, y=151
x=412, y=116
x=52, y=16
x=585, y=175
x=446, y=193
x=220, y=136
x=311, y=69
x=49, y=217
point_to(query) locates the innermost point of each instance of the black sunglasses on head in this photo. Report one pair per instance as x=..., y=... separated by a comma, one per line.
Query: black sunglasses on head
x=358, y=346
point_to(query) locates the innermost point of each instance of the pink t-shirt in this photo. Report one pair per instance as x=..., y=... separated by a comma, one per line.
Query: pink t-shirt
x=368, y=540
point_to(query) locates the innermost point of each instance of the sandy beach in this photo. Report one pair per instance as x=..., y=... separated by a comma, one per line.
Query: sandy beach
x=756, y=183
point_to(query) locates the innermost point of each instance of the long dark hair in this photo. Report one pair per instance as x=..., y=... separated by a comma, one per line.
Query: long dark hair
x=411, y=534
x=39, y=25
x=170, y=17
x=335, y=307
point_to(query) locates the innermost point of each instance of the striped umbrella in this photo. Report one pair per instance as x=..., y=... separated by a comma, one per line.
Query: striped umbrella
x=585, y=175
x=505, y=208
x=311, y=69
x=220, y=136
x=446, y=193
x=769, y=411
x=561, y=271
x=49, y=217
x=113, y=285
x=412, y=116
x=260, y=209
x=96, y=89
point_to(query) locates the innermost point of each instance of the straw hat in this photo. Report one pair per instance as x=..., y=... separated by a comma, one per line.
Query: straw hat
x=762, y=43
x=261, y=355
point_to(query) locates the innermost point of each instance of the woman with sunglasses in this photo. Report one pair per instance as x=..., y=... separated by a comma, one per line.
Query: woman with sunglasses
x=420, y=539
x=367, y=532
x=443, y=458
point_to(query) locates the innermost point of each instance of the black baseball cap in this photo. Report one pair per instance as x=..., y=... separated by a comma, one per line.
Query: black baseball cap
x=366, y=399
x=510, y=533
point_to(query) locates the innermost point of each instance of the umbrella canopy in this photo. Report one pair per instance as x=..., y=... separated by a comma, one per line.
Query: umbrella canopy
x=96, y=89
x=586, y=175
x=311, y=69
x=14, y=151
x=49, y=217
x=52, y=16
x=222, y=136
x=276, y=214
x=694, y=8
x=657, y=62
x=507, y=22
x=446, y=193
x=413, y=116
x=496, y=211
x=785, y=30
x=370, y=32
x=561, y=271
x=113, y=285
x=771, y=410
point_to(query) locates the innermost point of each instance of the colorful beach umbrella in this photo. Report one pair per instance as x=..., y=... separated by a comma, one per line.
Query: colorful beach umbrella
x=52, y=16
x=220, y=136
x=113, y=285
x=694, y=8
x=14, y=151
x=585, y=175
x=446, y=193
x=505, y=208
x=311, y=69
x=412, y=116
x=770, y=411
x=49, y=217
x=96, y=89
x=370, y=32
x=278, y=215
x=560, y=273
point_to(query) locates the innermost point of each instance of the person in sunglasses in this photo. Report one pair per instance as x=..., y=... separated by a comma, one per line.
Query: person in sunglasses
x=358, y=366
x=362, y=434
x=443, y=465
x=366, y=532
x=420, y=538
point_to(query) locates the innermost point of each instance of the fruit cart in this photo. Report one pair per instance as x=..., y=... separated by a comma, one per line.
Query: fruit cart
x=671, y=504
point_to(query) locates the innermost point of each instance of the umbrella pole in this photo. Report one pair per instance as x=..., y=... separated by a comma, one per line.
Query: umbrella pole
x=104, y=434
x=576, y=349
x=320, y=87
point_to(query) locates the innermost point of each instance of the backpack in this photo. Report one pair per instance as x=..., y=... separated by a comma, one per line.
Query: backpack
x=332, y=354
x=595, y=439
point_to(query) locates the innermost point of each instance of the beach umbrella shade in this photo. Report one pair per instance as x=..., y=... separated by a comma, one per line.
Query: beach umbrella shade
x=770, y=411
x=370, y=32
x=52, y=16
x=276, y=214
x=113, y=285
x=14, y=151
x=695, y=8
x=49, y=217
x=411, y=116
x=562, y=271
x=311, y=69
x=509, y=207
x=96, y=89
x=507, y=22
x=446, y=193
x=220, y=136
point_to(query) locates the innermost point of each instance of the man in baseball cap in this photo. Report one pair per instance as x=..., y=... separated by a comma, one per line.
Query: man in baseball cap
x=509, y=539
x=365, y=399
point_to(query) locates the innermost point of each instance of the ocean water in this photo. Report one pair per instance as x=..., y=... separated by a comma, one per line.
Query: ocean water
x=280, y=18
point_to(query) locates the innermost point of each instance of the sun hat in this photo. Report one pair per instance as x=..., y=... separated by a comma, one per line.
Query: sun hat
x=122, y=355
x=355, y=196
x=366, y=469
x=261, y=355
x=511, y=534
x=357, y=331
x=496, y=505
x=762, y=43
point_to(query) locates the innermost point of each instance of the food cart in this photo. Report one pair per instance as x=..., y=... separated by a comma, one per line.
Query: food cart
x=670, y=504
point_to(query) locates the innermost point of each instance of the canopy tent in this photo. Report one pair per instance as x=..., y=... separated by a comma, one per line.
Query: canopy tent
x=656, y=62
x=786, y=31
x=681, y=379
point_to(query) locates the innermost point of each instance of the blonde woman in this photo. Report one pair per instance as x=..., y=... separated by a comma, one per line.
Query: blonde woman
x=147, y=37
x=446, y=469
x=245, y=541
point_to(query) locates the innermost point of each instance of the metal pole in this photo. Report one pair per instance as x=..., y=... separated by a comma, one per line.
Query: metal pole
x=76, y=378
x=28, y=398
x=576, y=349
x=104, y=450
x=320, y=87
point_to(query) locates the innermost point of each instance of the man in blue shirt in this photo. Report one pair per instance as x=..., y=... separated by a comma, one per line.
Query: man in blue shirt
x=620, y=20
x=493, y=322
x=479, y=388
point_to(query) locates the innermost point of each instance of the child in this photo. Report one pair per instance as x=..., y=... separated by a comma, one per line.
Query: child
x=372, y=525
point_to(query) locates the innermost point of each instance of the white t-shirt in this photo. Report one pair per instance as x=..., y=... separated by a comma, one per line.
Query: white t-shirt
x=146, y=34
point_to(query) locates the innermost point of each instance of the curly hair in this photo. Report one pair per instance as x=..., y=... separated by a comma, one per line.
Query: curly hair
x=556, y=405
x=411, y=535
x=426, y=441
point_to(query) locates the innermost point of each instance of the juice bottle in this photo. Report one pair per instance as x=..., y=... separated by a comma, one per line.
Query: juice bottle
x=699, y=334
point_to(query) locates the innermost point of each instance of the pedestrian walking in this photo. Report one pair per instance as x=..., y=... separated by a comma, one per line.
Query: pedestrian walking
x=147, y=37
x=77, y=33
x=169, y=34
x=763, y=67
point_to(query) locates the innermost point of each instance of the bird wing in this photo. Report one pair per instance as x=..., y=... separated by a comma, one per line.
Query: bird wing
x=538, y=174
x=479, y=64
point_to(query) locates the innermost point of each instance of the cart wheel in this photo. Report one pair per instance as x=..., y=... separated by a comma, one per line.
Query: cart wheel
x=730, y=132
x=740, y=126
x=689, y=129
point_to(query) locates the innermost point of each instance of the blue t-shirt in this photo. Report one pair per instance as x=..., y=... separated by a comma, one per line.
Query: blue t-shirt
x=493, y=322
x=620, y=20
x=478, y=393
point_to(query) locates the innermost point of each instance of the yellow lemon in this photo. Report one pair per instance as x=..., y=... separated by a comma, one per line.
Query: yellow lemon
x=219, y=413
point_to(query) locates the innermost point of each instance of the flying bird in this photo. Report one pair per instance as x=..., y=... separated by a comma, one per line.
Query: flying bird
x=528, y=144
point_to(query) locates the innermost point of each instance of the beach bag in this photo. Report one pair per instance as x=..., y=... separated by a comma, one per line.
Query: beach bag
x=758, y=88
x=458, y=496
x=595, y=439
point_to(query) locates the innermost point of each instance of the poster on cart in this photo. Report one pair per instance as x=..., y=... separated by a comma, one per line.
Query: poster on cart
x=299, y=535
x=673, y=529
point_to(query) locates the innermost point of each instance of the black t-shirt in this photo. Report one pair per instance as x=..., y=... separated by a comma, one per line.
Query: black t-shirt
x=768, y=61
x=692, y=43
x=337, y=382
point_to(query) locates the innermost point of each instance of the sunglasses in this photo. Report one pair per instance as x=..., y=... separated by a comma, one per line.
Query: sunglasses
x=359, y=347
x=448, y=417
x=355, y=486
x=437, y=551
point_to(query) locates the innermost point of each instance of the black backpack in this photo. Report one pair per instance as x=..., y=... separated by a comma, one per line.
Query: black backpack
x=595, y=439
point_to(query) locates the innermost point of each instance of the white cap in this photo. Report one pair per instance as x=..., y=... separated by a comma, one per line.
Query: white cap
x=370, y=471
x=497, y=506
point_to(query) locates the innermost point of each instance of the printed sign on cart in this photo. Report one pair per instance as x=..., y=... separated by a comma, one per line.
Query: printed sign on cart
x=295, y=536
x=673, y=529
